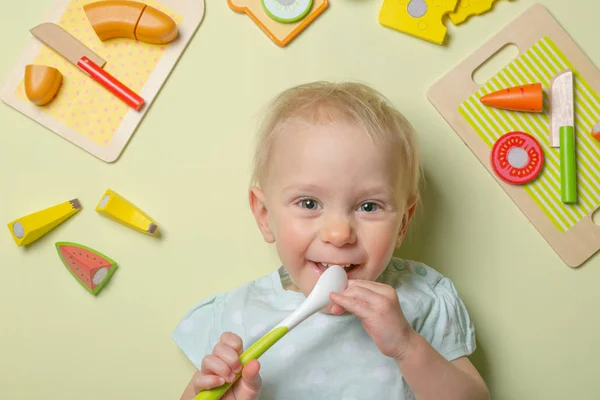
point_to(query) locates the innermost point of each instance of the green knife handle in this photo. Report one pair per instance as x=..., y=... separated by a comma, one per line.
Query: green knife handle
x=253, y=353
x=568, y=170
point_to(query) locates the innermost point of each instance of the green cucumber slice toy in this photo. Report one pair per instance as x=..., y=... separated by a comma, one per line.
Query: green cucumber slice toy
x=287, y=11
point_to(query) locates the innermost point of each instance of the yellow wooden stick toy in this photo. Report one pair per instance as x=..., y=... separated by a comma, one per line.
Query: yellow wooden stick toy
x=30, y=228
x=119, y=209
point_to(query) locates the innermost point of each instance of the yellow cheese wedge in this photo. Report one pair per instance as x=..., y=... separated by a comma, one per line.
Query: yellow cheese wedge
x=132, y=20
x=41, y=83
x=419, y=18
x=30, y=228
x=467, y=8
x=117, y=208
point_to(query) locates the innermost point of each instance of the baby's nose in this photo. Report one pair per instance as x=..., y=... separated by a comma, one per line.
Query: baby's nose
x=338, y=231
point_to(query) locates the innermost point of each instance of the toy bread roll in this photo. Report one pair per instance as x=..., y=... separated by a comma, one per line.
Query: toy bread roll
x=42, y=83
x=131, y=20
x=155, y=27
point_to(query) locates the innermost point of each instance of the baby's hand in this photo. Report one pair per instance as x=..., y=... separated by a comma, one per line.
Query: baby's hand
x=377, y=305
x=222, y=366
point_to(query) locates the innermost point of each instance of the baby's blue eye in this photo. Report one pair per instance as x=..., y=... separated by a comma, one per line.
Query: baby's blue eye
x=369, y=207
x=308, y=203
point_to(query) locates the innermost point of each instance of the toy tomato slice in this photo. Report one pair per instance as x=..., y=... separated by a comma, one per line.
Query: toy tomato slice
x=517, y=158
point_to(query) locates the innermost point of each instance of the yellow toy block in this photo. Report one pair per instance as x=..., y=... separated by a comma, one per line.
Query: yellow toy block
x=420, y=18
x=466, y=8
x=30, y=228
x=116, y=207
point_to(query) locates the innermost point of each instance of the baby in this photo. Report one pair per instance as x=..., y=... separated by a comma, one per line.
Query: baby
x=336, y=182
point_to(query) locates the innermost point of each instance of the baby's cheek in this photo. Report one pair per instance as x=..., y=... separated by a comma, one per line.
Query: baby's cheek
x=381, y=246
x=295, y=233
x=292, y=242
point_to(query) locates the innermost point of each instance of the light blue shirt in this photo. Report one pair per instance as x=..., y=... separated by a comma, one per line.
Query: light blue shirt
x=329, y=356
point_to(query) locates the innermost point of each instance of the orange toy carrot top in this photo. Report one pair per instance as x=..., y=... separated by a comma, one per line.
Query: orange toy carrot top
x=527, y=98
x=596, y=131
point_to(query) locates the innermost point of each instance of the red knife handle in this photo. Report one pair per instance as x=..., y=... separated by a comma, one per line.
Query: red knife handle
x=110, y=83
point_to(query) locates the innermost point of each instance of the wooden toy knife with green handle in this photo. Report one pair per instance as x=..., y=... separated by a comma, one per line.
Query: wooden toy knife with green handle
x=334, y=279
x=563, y=133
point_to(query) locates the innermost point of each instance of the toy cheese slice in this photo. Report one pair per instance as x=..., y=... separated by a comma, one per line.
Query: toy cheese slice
x=30, y=228
x=119, y=209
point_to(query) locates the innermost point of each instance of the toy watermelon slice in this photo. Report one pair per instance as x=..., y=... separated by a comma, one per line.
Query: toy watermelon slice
x=91, y=268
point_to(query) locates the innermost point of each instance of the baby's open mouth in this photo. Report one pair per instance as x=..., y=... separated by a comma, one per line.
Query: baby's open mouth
x=323, y=266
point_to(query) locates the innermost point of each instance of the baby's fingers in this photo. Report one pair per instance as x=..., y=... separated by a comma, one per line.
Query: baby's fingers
x=249, y=385
x=232, y=340
x=229, y=355
x=356, y=306
x=213, y=365
x=204, y=382
x=338, y=310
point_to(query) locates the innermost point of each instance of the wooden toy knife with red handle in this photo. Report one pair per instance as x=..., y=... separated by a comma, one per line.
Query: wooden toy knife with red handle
x=61, y=41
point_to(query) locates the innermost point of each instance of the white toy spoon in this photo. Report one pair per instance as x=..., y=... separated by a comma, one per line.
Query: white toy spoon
x=334, y=279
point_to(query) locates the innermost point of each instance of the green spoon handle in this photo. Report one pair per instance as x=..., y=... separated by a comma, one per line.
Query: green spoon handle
x=253, y=353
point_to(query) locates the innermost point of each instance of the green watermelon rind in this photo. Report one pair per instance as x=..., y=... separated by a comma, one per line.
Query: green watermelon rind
x=106, y=258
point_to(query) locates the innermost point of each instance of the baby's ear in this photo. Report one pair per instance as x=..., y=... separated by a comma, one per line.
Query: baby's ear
x=405, y=222
x=258, y=206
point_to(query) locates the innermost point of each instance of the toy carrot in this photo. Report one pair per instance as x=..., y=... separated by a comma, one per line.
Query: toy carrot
x=596, y=132
x=527, y=98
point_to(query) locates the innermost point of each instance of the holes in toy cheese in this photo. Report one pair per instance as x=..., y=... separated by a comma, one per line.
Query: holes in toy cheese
x=517, y=158
x=417, y=8
x=287, y=11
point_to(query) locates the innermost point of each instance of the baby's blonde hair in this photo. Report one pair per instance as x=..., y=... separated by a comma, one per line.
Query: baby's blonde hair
x=326, y=102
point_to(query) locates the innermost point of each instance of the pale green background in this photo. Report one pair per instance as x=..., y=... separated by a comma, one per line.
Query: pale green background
x=188, y=166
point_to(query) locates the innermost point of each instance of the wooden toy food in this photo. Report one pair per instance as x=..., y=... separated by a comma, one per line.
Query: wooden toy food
x=419, y=18
x=132, y=20
x=517, y=158
x=42, y=83
x=467, y=8
x=287, y=11
x=526, y=98
x=90, y=268
x=30, y=228
x=281, y=20
x=119, y=209
x=596, y=132
x=69, y=47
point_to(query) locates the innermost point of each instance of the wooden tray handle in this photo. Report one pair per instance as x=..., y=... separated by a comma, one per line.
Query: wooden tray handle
x=523, y=32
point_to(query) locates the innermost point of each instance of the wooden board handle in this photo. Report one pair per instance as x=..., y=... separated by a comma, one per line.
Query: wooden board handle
x=523, y=32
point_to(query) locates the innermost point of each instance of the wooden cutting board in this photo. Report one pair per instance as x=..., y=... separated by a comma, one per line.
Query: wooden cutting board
x=545, y=49
x=85, y=113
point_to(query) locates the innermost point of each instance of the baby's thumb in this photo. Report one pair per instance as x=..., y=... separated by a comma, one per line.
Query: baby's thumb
x=251, y=381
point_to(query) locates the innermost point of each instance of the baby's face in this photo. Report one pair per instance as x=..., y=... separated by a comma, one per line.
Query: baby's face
x=331, y=198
